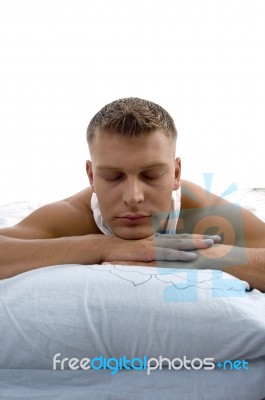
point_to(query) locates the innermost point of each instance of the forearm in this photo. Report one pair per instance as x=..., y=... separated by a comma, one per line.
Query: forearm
x=247, y=264
x=19, y=255
x=253, y=271
x=244, y=263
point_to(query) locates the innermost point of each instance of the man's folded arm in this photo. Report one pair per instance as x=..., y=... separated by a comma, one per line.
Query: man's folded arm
x=57, y=233
x=21, y=255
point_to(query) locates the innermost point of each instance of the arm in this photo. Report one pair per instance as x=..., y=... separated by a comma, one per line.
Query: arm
x=254, y=271
x=58, y=233
x=242, y=252
x=65, y=233
x=205, y=212
x=247, y=264
x=241, y=231
x=21, y=255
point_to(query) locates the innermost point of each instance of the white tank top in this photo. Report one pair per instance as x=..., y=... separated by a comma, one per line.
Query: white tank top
x=172, y=219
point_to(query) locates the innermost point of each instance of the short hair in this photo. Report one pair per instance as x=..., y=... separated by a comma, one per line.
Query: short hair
x=131, y=116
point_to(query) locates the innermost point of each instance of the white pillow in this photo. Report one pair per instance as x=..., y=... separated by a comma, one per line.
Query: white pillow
x=114, y=311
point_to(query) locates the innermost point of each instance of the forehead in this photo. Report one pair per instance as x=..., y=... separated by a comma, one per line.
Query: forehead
x=108, y=148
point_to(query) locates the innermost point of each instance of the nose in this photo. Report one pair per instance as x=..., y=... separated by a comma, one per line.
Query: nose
x=133, y=192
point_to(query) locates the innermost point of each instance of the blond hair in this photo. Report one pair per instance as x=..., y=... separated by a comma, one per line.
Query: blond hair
x=131, y=116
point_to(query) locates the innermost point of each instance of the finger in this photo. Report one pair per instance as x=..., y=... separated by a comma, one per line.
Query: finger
x=167, y=254
x=215, y=238
x=183, y=244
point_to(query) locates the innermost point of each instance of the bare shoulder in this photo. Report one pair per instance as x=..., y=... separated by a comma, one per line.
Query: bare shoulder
x=68, y=217
x=212, y=214
x=195, y=196
x=80, y=201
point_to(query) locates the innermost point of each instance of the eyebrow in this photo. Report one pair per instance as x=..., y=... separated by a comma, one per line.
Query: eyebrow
x=146, y=166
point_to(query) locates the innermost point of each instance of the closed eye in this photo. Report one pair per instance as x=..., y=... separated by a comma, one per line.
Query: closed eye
x=115, y=178
x=152, y=178
x=120, y=177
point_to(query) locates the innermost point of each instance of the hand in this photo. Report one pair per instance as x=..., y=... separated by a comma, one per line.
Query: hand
x=216, y=257
x=155, y=248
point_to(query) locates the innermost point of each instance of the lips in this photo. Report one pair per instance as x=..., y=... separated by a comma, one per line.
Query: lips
x=134, y=216
x=133, y=219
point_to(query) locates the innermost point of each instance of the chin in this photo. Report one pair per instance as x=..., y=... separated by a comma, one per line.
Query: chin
x=133, y=233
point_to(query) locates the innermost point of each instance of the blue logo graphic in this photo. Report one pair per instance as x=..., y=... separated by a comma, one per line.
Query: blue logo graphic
x=189, y=278
x=233, y=365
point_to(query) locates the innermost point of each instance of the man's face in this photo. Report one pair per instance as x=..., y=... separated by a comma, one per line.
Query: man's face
x=133, y=178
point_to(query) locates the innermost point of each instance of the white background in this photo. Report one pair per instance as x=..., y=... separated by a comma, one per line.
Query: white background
x=61, y=61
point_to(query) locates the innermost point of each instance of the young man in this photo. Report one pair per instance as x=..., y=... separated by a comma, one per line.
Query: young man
x=134, y=194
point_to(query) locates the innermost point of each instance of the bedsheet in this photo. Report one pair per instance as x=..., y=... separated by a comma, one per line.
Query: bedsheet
x=134, y=385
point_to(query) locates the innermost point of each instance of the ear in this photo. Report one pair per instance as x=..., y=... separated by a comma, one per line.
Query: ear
x=177, y=173
x=89, y=172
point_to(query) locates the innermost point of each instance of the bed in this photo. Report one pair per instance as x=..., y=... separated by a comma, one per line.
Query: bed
x=69, y=332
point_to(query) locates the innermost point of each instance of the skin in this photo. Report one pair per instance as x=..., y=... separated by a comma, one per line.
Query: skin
x=131, y=176
x=133, y=182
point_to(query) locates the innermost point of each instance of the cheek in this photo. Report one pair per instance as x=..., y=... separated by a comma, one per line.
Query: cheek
x=99, y=186
x=168, y=185
x=107, y=198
